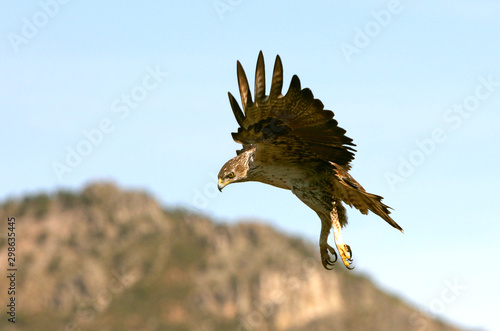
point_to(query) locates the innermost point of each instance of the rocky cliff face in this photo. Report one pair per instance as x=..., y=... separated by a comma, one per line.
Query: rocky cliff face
x=108, y=259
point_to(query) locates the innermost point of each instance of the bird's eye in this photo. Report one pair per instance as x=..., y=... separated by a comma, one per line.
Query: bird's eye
x=230, y=175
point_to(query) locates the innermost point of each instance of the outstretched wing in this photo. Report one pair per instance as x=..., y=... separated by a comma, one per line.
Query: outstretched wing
x=287, y=124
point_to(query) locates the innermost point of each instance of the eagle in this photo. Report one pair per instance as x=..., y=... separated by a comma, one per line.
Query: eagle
x=290, y=141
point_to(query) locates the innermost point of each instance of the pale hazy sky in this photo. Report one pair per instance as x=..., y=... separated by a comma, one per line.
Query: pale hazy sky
x=136, y=93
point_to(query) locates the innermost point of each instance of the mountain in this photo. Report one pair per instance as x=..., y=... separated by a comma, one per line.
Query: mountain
x=109, y=259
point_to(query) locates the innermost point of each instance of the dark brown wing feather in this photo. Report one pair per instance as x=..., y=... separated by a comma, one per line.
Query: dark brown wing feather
x=296, y=116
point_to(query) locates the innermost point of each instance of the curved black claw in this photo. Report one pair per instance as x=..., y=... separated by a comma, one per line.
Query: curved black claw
x=348, y=258
x=348, y=248
x=333, y=253
x=330, y=262
x=327, y=260
x=327, y=264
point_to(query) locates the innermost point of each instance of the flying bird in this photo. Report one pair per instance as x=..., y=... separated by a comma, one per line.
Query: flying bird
x=290, y=141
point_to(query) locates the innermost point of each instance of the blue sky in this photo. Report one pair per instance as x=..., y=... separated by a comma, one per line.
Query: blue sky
x=139, y=92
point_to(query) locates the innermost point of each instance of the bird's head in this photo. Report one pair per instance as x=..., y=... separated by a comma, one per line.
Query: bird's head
x=235, y=170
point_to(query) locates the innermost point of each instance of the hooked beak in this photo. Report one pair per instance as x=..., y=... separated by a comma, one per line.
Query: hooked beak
x=221, y=185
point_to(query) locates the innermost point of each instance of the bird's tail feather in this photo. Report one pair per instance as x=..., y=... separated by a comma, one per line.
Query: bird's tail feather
x=375, y=205
x=354, y=194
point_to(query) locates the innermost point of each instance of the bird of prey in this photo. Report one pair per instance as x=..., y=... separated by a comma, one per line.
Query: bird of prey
x=290, y=141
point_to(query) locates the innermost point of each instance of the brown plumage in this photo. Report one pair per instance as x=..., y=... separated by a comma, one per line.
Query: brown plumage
x=291, y=142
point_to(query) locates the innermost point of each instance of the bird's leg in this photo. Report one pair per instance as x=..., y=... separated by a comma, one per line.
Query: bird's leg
x=344, y=250
x=325, y=249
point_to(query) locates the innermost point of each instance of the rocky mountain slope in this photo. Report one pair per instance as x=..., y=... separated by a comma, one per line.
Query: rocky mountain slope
x=108, y=259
